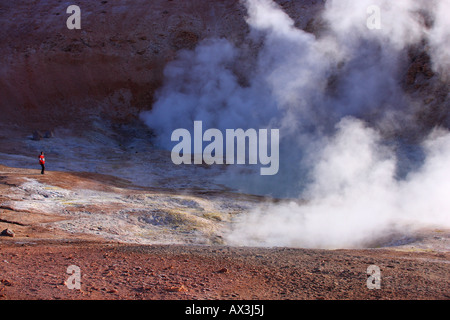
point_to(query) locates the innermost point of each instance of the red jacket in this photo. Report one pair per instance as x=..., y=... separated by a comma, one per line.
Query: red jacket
x=41, y=159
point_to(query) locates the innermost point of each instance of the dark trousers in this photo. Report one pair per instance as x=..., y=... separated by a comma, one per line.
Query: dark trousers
x=43, y=168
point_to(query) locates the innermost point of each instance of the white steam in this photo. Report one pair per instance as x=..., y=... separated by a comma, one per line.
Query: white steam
x=439, y=38
x=355, y=199
x=334, y=98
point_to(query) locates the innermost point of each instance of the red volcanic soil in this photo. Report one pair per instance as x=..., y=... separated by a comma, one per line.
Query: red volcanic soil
x=37, y=270
x=51, y=76
x=33, y=263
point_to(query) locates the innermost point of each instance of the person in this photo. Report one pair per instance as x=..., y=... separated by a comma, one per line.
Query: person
x=42, y=162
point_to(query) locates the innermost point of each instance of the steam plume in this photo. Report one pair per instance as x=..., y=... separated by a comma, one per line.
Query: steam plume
x=335, y=98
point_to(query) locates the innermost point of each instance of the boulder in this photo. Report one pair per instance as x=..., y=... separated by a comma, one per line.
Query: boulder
x=48, y=134
x=37, y=136
x=7, y=233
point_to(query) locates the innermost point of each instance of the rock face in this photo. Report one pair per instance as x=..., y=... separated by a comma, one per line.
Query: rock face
x=112, y=66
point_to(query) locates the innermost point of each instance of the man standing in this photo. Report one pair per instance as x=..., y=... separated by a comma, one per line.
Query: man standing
x=42, y=162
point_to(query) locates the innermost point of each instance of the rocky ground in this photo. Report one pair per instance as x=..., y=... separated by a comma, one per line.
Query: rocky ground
x=34, y=262
x=135, y=235
x=37, y=270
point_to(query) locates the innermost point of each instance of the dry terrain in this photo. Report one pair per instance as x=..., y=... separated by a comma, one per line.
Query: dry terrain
x=111, y=203
x=34, y=262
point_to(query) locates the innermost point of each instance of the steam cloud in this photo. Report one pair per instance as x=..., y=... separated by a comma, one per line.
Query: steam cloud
x=338, y=101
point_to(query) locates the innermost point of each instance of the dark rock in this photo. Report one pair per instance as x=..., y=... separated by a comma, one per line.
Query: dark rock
x=7, y=233
x=223, y=270
x=37, y=136
x=48, y=134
